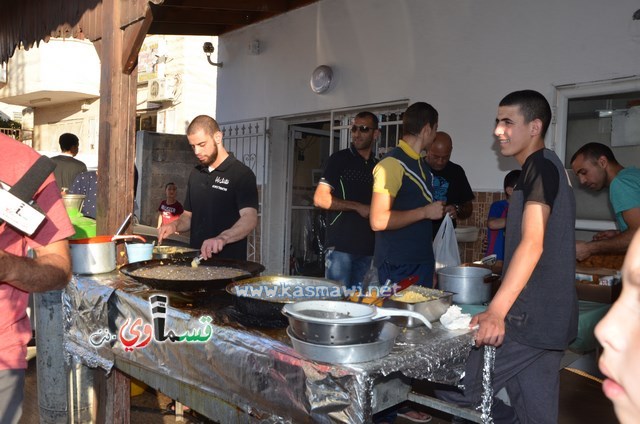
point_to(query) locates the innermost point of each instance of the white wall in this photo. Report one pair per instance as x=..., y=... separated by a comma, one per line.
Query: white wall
x=461, y=56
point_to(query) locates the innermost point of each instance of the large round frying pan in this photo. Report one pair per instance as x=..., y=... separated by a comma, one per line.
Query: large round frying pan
x=170, y=284
x=264, y=296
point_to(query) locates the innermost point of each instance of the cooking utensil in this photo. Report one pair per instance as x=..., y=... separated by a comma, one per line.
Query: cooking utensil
x=169, y=252
x=471, y=285
x=170, y=284
x=333, y=312
x=345, y=354
x=398, y=287
x=95, y=255
x=264, y=296
x=487, y=260
x=431, y=309
x=196, y=261
x=336, y=334
x=124, y=224
x=384, y=292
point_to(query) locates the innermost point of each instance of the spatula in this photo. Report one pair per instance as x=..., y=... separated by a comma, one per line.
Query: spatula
x=196, y=261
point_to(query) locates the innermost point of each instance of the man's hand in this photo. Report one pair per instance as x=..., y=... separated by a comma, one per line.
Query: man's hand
x=491, y=329
x=604, y=235
x=452, y=211
x=166, y=230
x=582, y=250
x=212, y=246
x=434, y=210
x=363, y=210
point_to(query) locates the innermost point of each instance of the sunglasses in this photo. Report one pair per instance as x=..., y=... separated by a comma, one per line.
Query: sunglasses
x=361, y=128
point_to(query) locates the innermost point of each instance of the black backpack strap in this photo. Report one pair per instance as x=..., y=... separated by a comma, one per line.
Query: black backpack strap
x=28, y=185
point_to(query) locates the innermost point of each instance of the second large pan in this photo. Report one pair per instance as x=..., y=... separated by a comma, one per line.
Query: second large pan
x=263, y=297
x=185, y=284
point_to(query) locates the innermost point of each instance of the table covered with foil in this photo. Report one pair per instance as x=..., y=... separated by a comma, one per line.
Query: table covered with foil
x=201, y=341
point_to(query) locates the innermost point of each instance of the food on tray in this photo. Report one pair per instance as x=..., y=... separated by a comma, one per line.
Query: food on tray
x=187, y=273
x=417, y=295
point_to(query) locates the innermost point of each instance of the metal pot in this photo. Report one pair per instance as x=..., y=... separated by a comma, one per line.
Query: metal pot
x=95, y=255
x=471, y=285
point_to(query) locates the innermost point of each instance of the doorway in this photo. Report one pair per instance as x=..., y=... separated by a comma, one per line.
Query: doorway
x=309, y=146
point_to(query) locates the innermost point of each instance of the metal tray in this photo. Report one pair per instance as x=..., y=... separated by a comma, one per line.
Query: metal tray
x=347, y=354
x=430, y=309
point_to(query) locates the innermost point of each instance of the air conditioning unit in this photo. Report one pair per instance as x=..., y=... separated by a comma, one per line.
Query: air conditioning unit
x=160, y=89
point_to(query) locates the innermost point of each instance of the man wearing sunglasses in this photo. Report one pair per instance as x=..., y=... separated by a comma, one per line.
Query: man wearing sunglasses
x=345, y=191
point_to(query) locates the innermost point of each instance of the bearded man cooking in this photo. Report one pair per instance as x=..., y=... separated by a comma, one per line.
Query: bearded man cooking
x=221, y=204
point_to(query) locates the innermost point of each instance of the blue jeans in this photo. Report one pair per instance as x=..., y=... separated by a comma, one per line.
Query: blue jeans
x=346, y=268
x=11, y=395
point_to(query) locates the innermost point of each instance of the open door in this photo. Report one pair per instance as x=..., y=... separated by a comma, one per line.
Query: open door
x=309, y=147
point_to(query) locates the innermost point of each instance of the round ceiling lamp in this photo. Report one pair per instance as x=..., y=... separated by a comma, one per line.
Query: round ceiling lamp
x=321, y=79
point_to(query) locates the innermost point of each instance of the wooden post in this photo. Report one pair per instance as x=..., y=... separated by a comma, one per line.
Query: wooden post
x=116, y=152
x=112, y=397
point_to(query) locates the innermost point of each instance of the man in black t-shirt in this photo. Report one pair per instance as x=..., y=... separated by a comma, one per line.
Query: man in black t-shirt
x=345, y=191
x=534, y=315
x=450, y=183
x=221, y=204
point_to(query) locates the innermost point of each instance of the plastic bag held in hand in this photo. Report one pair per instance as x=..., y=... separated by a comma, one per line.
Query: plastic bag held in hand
x=445, y=245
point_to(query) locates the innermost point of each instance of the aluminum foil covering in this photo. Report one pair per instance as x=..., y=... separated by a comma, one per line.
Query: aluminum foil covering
x=254, y=369
x=487, y=384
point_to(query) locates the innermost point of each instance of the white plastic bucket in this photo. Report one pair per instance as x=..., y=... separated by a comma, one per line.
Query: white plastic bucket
x=137, y=252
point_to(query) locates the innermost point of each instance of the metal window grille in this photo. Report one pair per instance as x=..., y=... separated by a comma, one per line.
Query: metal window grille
x=247, y=142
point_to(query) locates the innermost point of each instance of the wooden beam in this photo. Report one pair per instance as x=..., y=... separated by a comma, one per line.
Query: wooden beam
x=201, y=15
x=246, y=5
x=133, y=39
x=168, y=28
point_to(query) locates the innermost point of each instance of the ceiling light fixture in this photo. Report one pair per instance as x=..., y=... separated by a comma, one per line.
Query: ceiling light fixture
x=208, y=49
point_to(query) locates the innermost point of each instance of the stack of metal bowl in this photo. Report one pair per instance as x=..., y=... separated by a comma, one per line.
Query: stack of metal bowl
x=338, y=332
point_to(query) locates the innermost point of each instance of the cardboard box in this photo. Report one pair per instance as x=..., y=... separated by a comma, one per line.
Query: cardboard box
x=597, y=293
x=588, y=287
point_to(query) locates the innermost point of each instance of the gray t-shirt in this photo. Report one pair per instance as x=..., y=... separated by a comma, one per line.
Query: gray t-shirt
x=545, y=315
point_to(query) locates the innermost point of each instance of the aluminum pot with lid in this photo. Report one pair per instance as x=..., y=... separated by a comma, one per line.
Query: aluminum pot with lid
x=471, y=285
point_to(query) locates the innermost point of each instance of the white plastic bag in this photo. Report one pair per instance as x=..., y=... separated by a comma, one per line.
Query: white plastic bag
x=445, y=245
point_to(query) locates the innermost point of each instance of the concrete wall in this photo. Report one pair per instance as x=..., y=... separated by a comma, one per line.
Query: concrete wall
x=461, y=56
x=161, y=158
